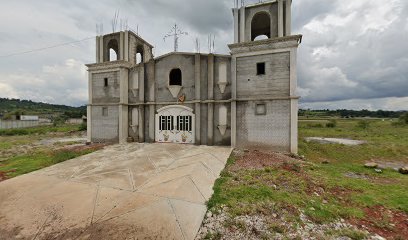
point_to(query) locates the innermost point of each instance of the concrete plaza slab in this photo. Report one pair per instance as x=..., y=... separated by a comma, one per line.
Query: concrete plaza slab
x=131, y=191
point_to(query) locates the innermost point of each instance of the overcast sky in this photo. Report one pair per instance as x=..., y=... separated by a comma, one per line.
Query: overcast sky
x=354, y=54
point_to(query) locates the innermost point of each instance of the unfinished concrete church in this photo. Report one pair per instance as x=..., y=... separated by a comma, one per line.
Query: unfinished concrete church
x=246, y=99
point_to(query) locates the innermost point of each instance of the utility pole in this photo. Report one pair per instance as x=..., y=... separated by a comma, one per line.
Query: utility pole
x=176, y=33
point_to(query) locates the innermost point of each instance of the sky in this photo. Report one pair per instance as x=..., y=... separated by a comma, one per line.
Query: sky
x=354, y=54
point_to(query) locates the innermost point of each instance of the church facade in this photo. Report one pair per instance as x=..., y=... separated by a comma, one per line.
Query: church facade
x=246, y=99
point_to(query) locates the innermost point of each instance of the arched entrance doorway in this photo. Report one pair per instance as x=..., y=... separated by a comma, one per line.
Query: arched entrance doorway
x=175, y=124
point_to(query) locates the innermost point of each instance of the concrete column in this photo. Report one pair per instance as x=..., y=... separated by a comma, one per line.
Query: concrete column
x=242, y=25
x=210, y=84
x=97, y=49
x=294, y=126
x=280, y=18
x=123, y=107
x=126, y=46
x=121, y=46
x=294, y=102
x=152, y=108
x=89, y=109
x=141, y=107
x=235, y=12
x=89, y=123
x=288, y=17
x=293, y=72
x=197, y=85
x=101, y=50
x=234, y=102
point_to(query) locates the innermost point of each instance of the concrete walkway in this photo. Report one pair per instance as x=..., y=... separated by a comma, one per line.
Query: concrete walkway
x=133, y=191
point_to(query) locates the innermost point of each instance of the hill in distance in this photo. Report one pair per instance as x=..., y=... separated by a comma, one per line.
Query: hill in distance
x=28, y=107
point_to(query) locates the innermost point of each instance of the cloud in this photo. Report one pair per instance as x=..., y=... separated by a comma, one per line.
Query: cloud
x=350, y=50
x=59, y=83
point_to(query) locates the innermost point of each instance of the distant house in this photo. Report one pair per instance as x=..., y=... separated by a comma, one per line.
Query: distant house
x=27, y=118
x=76, y=120
x=20, y=121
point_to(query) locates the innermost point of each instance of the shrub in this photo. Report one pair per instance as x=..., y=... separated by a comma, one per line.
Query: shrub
x=331, y=124
x=82, y=127
x=316, y=125
x=404, y=119
x=363, y=124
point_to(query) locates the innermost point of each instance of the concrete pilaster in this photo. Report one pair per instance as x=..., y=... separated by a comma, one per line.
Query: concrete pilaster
x=101, y=53
x=121, y=46
x=294, y=126
x=210, y=84
x=280, y=18
x=89, y=109
x=235, y=12
x=123, y=108
x=89, y=123
x=294, y=102
x=242, y=24
x=126, y=48
x=152, y=108
x=288, y=17
x=234, y=102
x=197, y=84
x=293, y=72
x=141, y=108
x=97, y=49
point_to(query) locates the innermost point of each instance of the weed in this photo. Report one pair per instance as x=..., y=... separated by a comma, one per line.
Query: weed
x=348, y=232
x=331, y=124
x=363, y=124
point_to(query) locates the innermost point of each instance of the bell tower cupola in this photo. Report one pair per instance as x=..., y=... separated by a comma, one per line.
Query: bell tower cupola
x=263, y=20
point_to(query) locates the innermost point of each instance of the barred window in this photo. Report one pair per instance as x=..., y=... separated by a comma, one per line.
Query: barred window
x=166, y=123
x=184, y=123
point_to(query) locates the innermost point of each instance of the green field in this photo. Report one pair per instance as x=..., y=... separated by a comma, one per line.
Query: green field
x=329, y=184
x=22, y=150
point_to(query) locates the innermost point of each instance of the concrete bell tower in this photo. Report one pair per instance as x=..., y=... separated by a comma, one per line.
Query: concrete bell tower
x=111, y=83
x=263, y=65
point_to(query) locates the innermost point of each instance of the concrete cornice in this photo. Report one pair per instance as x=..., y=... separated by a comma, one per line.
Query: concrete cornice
x=109, y=65
x=130, y=32
x=267, y=44
x=298, y=38
x=190, y=54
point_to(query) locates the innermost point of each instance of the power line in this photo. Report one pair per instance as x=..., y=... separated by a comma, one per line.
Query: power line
x=46, y=48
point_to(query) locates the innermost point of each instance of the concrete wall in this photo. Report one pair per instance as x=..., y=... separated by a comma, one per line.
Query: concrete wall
x=102, y=94
x=9, y=124
x=271, y=9
x=275, y=82
x=105, y=128
x=162, y=70
x=106, y=40
x=264, y=131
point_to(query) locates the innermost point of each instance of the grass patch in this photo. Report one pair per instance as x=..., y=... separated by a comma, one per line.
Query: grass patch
x=19, y=165
x=39, y=130
x=323, y=192
x=351, y=233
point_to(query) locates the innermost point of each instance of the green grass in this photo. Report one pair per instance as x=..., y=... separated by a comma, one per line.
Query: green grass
x=28, y=163
x=261, y=191
x=384, y=141
x=39, y=130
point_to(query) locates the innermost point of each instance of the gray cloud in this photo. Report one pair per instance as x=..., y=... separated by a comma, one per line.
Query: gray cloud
x=351, y=49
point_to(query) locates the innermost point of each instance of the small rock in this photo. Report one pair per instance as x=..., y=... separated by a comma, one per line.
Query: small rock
x=274, y=215
x=325, y=162
x=377, y=237
x=378, y=170
x=324, y=201
x=371, y=165
x=209, y=214
x=403, y=170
